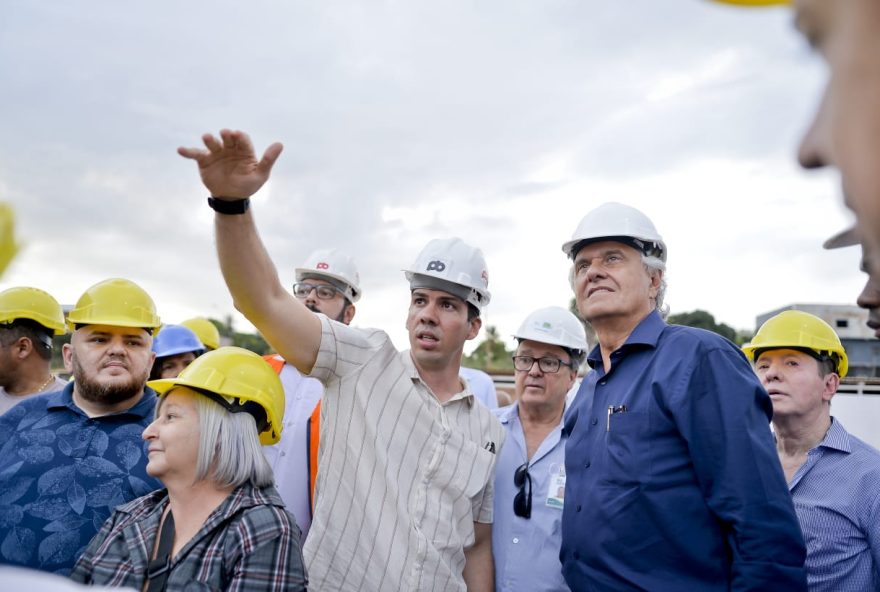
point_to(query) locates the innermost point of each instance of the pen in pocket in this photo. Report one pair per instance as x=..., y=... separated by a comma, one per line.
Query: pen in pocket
x=612, y=409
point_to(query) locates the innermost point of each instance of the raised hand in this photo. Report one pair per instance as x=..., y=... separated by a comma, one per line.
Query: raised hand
x=229, y=167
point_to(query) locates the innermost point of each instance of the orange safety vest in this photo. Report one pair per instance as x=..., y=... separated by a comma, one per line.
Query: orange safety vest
x=313, y=433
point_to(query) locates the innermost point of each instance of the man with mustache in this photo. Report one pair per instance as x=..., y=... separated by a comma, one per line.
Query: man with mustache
x=833, y=477
x=404, y=487
x=328, y=283
x=68, y=458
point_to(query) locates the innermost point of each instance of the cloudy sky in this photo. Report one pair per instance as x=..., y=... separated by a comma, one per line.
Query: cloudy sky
x=499, y=121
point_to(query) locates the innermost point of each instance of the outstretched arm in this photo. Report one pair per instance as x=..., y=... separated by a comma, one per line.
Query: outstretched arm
x=230, y=170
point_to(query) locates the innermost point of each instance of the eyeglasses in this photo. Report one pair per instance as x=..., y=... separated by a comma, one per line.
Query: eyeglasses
x=547, y=365
x=522, y=503
x=324, y=291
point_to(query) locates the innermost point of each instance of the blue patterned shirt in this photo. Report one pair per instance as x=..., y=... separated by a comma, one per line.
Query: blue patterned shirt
x=62, y=473
x=836, y=495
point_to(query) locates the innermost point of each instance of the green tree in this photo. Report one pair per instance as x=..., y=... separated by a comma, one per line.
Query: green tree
x=704, y=320
x=491, y=355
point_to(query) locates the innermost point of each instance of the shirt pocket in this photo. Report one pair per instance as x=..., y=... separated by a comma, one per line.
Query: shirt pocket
x=626, y=448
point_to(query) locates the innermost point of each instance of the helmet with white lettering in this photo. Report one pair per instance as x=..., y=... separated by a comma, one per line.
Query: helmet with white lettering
x=335, y=267
x=617, y=222
x=451, y=265
x=554, y=325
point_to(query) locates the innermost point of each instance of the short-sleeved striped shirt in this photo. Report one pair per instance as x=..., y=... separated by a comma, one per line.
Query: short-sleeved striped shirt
x=401, y=477
x=836, y=495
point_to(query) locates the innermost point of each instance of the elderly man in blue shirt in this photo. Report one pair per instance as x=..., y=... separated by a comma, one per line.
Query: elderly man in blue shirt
x=673, y=482
x=834, y=477
x=530, y=476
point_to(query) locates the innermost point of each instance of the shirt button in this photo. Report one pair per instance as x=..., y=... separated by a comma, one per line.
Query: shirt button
x=283, y=453
x=594, y=422
x=602, y=382
x=587, y=465
x=578, y=508
x=515, y=540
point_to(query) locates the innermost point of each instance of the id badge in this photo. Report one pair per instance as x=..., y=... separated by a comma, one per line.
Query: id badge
x=556, y=490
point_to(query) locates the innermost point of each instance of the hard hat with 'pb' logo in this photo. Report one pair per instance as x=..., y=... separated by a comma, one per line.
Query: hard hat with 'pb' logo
x=460, y=267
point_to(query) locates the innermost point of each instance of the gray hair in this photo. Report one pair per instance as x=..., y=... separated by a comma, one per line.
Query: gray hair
x=230, y=453
x=656, y=265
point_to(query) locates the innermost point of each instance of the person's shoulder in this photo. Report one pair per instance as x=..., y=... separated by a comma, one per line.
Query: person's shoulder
x=697, y=339
x=264, y=517
x=31, y=408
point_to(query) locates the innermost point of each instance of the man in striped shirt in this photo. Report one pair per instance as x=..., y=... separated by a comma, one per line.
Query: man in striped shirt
x=404, y=487
x=834, y=477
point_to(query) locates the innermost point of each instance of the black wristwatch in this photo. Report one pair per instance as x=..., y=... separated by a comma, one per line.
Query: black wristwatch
x=228, y=206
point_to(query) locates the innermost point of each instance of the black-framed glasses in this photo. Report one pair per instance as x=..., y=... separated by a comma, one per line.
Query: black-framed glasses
x=324, y=291
x=547, y=365
x=522, y=503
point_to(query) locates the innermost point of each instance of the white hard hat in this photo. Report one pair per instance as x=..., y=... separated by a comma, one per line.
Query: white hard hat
x=457, y=265
x=615, y=221
x=555, y=326
x=331, y=265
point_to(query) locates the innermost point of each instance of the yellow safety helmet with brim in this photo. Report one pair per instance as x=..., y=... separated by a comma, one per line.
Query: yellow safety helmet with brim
x=799, y=330
x=205, y=330
x=116, y=302
x=240, y=381
x=24, y=302
x=754, y=2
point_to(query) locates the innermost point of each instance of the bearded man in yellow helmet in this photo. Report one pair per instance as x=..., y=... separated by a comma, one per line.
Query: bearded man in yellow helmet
x=29, y=318
x=833, y=477
x=68, y=458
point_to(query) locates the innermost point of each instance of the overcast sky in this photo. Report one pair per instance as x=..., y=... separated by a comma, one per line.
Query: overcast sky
x=500, y=121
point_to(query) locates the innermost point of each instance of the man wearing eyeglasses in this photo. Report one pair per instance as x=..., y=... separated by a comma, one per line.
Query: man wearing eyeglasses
x=328, y=283
x=673, y=481
x=530, y=478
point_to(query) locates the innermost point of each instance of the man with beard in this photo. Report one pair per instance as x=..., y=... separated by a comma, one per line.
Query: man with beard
x=69, y=457
x=327, y=283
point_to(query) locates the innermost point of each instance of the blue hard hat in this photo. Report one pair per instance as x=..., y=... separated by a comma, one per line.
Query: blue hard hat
x=176, y=339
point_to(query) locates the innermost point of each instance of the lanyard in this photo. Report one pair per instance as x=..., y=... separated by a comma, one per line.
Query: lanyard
x=159, y=568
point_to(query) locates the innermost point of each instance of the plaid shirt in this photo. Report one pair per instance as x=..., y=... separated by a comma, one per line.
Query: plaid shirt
x=250, y=542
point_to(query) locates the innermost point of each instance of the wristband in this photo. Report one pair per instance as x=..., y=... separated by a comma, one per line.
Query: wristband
x=226, y=206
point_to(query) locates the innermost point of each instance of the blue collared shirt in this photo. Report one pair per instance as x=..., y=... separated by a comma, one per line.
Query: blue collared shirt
x=682, y=490
x=836, y=494
x=62, y=473
x=526, y=551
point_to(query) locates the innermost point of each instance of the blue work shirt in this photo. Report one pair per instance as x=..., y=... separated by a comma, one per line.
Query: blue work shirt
x=680, y=488
x=526, y=550
x=836, y=495
x=62, y=473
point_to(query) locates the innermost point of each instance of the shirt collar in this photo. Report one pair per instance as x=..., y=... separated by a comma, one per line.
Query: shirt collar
x=413, y=372
x=646, y=333
x=63, y=399
x=836, y=438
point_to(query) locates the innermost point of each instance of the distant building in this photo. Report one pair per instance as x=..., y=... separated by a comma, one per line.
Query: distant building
x=862, y=348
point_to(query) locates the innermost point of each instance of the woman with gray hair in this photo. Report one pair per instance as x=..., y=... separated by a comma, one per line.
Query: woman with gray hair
x=219, y=524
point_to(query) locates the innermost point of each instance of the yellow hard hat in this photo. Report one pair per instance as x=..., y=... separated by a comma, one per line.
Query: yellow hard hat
x=205, y=330
x=8, y=246
x=237, y=379
x=795, y=329
x=115, y=302
x=754, y=2
x=33, y=304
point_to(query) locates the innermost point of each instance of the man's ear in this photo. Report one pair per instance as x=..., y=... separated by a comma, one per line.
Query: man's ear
x=348, y=314
x=474, y=329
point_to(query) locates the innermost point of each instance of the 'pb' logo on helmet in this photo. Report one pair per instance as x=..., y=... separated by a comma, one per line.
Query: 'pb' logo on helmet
x=436, y=266
x=322, y=265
